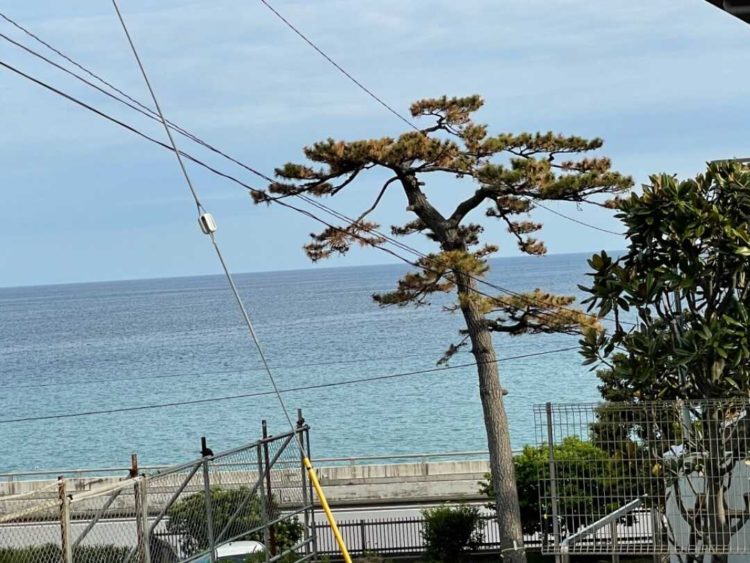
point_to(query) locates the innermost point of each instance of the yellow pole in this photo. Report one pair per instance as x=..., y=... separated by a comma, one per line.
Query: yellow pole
x=324, y=503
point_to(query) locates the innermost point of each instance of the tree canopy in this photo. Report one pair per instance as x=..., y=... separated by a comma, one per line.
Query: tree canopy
x=679, y=295
x=507, y=175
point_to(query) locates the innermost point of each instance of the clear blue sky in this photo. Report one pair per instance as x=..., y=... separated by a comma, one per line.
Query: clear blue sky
x=663, y=82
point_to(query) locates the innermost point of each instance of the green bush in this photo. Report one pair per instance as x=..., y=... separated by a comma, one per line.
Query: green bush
x=188, y=519
x=450, y=533
x=587, y=477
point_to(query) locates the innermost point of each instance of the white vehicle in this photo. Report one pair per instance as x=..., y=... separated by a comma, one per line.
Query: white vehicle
x=234, y=552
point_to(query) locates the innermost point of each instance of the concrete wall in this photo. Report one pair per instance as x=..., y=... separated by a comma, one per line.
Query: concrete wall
x=344, y=485
x=407, y=482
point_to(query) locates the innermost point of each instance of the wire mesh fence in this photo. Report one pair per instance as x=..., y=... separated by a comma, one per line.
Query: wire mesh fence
x=250, y=503
x=655, y=478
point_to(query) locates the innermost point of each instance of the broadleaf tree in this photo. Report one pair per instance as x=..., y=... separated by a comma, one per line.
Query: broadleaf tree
x=685, y=281
x=505, y=176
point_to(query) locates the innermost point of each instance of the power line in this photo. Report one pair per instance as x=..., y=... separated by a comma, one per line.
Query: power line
x=339, y=67
x=153, y=115
x=395, y=112
x=206, y=222
x=145, y=110
x=602, y=229
x=284, y=203
x=237, y=371
x=289, y=390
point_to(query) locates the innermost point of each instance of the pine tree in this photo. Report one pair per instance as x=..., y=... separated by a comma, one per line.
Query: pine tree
x=507, y=175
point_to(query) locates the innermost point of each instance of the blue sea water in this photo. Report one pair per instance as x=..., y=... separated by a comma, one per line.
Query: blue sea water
x=99, y=346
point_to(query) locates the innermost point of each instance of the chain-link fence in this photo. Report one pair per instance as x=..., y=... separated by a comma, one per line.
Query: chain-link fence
x=655, y=478
x=248, y=504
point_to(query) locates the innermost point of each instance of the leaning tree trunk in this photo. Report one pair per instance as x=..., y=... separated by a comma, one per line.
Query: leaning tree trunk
x=496, y=424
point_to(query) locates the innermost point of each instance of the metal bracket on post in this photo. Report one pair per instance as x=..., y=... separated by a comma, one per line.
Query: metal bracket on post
x=553, y=487
x=66, y=545
x=207, y=454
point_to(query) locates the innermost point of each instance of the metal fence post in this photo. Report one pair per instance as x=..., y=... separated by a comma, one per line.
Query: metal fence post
x=269, y=489
x=207, y=492
x=363, y=536
x=553, y=487
x=143, y=490
x=306, y=493
x=141, y=514
x=613, y=533
x=67, y=547
x=263, y=507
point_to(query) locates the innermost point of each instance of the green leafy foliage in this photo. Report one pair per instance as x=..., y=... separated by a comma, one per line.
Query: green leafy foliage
x=587, y=476
x=452, y=532
x=684, y=280
x=685, y=277
x=188, y=519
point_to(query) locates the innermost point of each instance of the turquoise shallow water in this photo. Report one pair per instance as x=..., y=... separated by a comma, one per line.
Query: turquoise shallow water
x=82, y=347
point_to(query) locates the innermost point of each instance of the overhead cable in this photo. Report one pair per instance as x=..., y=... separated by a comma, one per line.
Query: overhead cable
x=206, y=223
x=153, y=115
x=288, y=390
x=279, y=201
x=237, y=371
x=341, y=69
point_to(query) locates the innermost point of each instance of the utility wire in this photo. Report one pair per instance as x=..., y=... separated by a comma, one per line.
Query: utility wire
x=238, y=371
x=279, y=201
x=340, y=68
x=210, y=233
x=283, y=203
x=289, y=390
x=602, y=229
x=150, y=113
x=395, y=112
x=154, y=115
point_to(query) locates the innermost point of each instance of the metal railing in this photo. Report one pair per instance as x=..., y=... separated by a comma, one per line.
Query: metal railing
x=187, y=512
x=121, y=471
x=652, y=478
x=399, y=536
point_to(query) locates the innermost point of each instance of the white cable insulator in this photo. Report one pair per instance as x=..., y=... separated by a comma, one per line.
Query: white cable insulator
x=207, y=223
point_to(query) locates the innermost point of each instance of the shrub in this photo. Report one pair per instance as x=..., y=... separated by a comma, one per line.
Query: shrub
x=451, y=532
x=188, y=519
x=586, y=478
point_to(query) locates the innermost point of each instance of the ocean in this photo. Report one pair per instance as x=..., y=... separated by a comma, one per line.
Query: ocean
x=100, y=346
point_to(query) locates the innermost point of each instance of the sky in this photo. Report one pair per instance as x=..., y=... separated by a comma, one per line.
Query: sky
x=663, y=82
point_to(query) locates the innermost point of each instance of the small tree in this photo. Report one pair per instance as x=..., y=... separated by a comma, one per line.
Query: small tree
x=451, y=533
x=507, y=175
x=686, y=279
x=187, y=518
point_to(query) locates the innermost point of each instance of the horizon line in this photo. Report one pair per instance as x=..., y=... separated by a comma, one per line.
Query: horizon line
x=282, y=270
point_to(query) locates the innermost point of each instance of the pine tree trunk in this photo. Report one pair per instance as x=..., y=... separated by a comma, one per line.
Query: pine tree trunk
x=496, y=424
